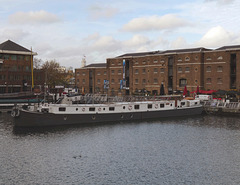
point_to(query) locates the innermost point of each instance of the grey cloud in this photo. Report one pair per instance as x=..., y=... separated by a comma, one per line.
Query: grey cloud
x=37, y=17
x=155, y=22
x=98, y=12
x=221, y=2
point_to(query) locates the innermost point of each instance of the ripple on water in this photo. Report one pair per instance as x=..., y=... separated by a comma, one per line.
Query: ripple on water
x=194, y=150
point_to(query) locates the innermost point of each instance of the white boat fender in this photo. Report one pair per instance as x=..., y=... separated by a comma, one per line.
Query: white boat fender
x=156, y=106
x=130, y=107
x=83, y=109
x=99, y=109
x=15, y=112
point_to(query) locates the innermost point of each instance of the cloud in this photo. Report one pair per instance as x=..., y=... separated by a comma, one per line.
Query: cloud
x=221, y=2
x=155, y=22
x=98, y=12
x=105, y=43
x=136, y=41
x=15, y=35
x=179, y=43
x=38, y=17
x=217, y=36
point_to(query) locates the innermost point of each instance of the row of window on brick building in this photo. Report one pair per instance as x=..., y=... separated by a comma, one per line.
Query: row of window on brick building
x=15, y=68
x=208, y=69
x=98, y=73
x=155, y=80
x=156, y=70
x=15, y=57
x=162, y=61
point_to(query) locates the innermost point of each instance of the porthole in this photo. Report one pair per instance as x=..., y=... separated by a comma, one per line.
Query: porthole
x=124, y=107
x=76, y=109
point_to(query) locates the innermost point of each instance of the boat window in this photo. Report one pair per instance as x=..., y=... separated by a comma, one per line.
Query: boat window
x=111, y=108
x=162, y=105
x=182, y=103
x=92, y=109
x=149, y=106
x=136, y=106
x=62, y=109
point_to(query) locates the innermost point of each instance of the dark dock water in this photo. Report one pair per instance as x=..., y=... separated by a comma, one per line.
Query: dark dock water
x=196, y=150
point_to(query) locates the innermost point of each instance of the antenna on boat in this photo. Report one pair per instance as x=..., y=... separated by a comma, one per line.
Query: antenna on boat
x=32, y=68
x=45, y=86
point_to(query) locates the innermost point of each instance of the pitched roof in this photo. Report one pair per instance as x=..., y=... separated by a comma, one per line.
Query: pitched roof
x=96, y=65
x=229, y=47
x=12, y=46
x=138, y=54
x=185, y=50
x=164, y=52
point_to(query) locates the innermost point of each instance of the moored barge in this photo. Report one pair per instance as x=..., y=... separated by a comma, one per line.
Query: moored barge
x=68, y=113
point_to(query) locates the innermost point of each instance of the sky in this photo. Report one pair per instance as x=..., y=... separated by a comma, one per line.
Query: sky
x=68, y=30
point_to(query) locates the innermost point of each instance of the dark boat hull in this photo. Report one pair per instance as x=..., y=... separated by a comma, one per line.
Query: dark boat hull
x=33, y=119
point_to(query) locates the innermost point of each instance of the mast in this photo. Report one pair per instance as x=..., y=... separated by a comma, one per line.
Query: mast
x=32, y=68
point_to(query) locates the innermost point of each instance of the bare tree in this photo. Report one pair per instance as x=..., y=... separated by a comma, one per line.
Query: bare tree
x=37, y=63
x=55, y=74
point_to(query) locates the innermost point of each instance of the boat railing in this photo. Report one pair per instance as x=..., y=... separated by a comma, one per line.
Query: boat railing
x=103, y=98
x=227, y=105
x=111, y=99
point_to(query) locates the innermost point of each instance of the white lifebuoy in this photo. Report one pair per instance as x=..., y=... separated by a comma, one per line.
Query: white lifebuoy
x=83, y=109
x=99, y=109
x=156, y=106
x=130, y=107
x=15, y=112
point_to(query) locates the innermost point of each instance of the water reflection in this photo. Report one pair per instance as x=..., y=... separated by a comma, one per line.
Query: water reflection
x=225, y=122
x=195, y=150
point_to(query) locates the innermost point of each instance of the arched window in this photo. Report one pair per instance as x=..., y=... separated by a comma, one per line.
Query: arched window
x=187, y=59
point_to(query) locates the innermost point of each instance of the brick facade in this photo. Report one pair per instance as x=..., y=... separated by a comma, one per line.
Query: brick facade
x=15, y=69
x=90, y=79
x=209, y=69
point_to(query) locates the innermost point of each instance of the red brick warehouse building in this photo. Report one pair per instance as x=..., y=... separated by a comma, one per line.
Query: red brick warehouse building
x=90, y=78
x=207, y=68
x=15, y=68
